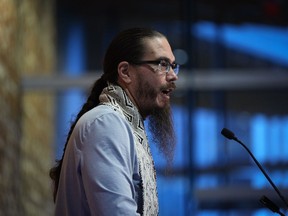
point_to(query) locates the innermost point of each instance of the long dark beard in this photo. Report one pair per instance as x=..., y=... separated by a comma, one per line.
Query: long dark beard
x=162, y=131
x=160, y=122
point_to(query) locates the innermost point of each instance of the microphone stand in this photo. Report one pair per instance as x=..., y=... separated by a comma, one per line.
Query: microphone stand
x=264, y=200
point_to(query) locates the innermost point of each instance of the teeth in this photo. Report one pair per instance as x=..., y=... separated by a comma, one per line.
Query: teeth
x=166, y=91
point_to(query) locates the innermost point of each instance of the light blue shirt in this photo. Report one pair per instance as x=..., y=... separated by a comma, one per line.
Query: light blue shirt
x=100, y=171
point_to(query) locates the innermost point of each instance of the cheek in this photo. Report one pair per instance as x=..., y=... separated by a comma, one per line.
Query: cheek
x=148, y=90
x=146, y=95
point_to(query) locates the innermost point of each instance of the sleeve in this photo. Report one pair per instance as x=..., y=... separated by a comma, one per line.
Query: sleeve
x=107, y=166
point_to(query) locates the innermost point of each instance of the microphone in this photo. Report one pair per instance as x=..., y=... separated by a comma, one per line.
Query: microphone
x=230, y=135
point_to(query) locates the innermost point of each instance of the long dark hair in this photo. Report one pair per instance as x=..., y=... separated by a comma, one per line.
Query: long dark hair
x=126, y=46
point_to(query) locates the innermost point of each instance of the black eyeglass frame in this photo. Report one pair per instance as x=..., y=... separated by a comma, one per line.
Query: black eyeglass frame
x=175, y=67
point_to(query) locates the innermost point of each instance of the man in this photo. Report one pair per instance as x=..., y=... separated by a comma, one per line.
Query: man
x=107, y=168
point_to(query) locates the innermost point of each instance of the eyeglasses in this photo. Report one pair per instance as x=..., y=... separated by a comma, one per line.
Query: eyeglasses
x=163, y=65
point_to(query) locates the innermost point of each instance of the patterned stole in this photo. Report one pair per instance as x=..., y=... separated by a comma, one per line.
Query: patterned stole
x=116, y=97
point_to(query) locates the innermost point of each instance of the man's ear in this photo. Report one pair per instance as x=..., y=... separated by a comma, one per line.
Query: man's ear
x=124, y=72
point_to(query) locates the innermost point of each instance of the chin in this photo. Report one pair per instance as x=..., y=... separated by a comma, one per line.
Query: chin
x=162, y=104
x=163, y=100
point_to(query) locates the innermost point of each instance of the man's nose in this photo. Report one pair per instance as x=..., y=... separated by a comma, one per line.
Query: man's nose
x=171, y=75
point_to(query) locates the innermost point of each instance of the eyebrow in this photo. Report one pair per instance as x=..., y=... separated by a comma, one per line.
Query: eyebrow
x=165, y=59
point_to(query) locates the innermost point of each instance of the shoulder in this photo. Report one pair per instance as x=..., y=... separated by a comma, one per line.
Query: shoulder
x=103, y=131
x=99, y=114
x=103, y=120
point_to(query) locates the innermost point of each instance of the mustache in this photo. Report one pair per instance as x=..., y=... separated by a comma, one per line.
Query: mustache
x=171, y=86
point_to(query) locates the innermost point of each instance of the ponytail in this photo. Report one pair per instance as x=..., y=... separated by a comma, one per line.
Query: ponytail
x=92, y=101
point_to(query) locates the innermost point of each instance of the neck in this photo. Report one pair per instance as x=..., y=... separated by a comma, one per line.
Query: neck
x=132, y=98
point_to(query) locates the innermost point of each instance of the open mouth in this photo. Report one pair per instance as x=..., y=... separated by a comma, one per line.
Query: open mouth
x=167, y=91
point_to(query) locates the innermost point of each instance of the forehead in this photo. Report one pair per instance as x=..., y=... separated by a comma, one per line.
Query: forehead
x=158, y=47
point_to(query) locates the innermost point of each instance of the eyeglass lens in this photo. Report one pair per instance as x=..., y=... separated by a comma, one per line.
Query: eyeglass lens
x=166, y=66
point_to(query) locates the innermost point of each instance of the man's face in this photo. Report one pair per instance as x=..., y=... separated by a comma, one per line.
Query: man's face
x=152, y=87
x=151, y=91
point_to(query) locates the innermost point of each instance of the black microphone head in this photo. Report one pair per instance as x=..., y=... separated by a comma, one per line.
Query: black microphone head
x=227, y=133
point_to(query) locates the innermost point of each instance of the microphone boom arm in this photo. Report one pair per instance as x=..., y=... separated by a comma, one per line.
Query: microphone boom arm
x=263, y=171
x=230, y=135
